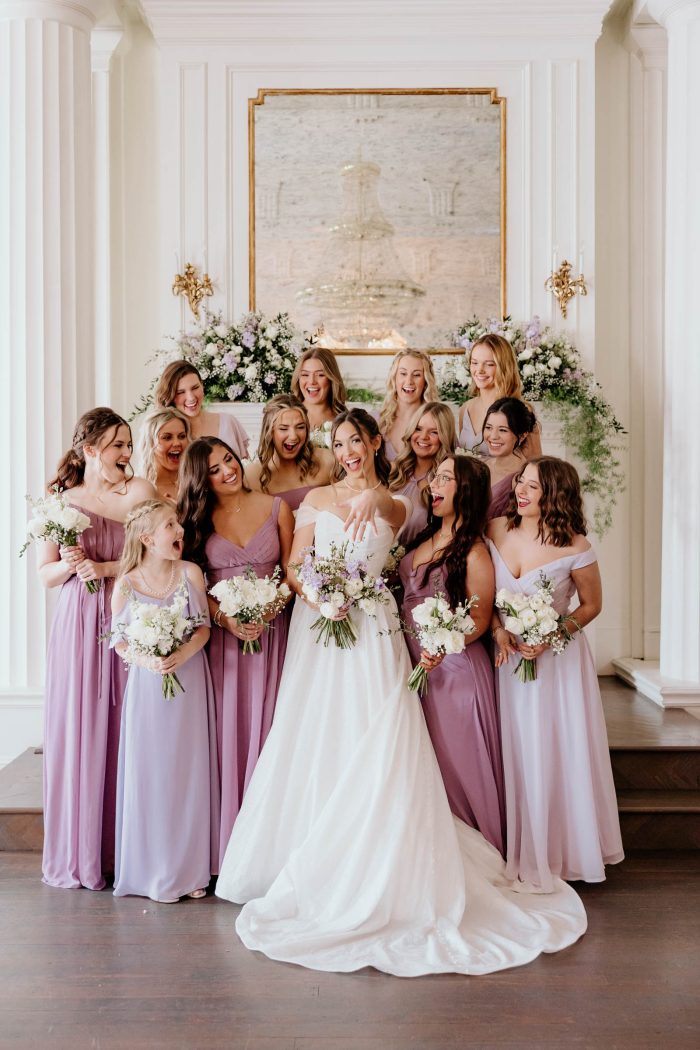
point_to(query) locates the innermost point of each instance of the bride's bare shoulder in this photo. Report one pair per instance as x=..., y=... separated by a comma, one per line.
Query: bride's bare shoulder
x=321, y=498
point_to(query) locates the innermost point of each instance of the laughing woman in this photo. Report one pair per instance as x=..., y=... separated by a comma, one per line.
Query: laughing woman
x=229, y=529
x=85, y=681
x=318, y=384
x=410, y=383
x=288, y=464
x=180, y=386
x=164, y=437
x=508, y=425
x=429, y=437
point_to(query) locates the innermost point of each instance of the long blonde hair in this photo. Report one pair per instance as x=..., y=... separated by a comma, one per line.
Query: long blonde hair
x=139, y=523
x=507, y=378
x=338, y=392
x=153, y=423
x=266, y=446
x=390, y=407
x=404, y=466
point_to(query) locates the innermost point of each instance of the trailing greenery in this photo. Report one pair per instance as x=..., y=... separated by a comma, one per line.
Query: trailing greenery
x=362, y=394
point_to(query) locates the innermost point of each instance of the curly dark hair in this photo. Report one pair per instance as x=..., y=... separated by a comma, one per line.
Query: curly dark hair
x=196, y=501
x=367, y=427
x=471, y=504
x=519, y=416
x=561, y=505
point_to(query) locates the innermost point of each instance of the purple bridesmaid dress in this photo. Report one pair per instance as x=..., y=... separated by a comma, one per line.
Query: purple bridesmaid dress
x=234, y=434
x=460, y=711
x=470, y=440
x=245, y=685
x=168, y=783
x=418, y=518
x=500, y=497
x=295, y=497
x=85, y=684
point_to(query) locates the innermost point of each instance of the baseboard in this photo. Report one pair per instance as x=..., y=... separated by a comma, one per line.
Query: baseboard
x=645, y=677
x=21, y=722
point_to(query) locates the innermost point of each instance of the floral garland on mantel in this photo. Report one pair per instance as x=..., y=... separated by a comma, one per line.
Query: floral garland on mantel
x=551, y=372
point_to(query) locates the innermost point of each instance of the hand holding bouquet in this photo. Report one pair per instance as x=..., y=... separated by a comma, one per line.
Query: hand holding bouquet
x=251, y=599
x=441, y=632
x=335, y=583
x=158, y=631
x=533, y=618
x=56, y=520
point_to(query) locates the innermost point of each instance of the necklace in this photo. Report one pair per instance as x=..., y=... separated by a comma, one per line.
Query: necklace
x=368, y=488
x=152, y=590
x=442, y=536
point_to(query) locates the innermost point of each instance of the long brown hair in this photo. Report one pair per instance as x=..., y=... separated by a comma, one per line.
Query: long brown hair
x=389, y=409
x=366, y=426
x=561, y=505
x=266, y=449
x=171, y=377
x=142, y=519
x=338, y=393
x=404, y=465
x=196, y=501
x=507, y=379
x=471, y=505
x=90, y=429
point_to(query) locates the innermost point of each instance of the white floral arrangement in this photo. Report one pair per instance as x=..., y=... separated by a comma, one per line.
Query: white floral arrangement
x=158, y=630
x=335, y=583
x=393, y=559
x=534, y=619
x=55, y=519
x=321, y=436
x=441, y=631
x=252, y=599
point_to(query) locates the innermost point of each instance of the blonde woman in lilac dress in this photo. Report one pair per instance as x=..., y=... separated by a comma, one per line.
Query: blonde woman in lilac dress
x=411, y=382
x=165, y=434
x=85, y=681
x=429, y=437
x=508, y=425
x=561, y=810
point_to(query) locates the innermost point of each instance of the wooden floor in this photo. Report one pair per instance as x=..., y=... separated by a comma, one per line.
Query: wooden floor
x=83, y=970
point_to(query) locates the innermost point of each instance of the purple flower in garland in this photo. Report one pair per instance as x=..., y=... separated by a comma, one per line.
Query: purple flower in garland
x=269, y=378
x=230, y=361
x=464, y=341
x=248, y=338
x=534, y=329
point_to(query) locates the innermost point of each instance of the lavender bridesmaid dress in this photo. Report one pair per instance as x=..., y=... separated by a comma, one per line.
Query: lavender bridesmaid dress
x=418, y=518
x=85, y=684
x=561, y=810
x=460, y=711
x=469, y=439
x=235, y=436
x=168, y=784
x=245, y=685
x=295, y=497
x=500, y=497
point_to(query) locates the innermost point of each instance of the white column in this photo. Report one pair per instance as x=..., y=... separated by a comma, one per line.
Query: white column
x=46, y=293
x=676, y=680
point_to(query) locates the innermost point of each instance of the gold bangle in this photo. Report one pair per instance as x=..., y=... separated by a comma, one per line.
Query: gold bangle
x=217, y=617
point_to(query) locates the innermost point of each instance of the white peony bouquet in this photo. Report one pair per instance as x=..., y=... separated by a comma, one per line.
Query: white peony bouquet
x=335, y=583
x=440, y=631
x=158, y=630
x=251, y=599
x=55, y=519
x=321, y=436
x=534, y=619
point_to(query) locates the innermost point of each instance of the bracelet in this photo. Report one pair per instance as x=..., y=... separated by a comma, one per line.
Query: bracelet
x=217, y=617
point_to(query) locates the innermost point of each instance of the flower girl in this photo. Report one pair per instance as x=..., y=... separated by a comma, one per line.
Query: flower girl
x=167, y=786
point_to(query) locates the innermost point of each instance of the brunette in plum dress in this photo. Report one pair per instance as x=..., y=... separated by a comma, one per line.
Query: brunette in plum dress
x=245, y=684
x=460, y=703
x=508, y=427
x=561, y=809
x=85, y=681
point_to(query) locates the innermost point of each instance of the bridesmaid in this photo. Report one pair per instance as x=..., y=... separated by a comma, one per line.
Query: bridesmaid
x=450, y=557
x=318, y=384
x=84, y=680
x=561, y=811
x=168, y=788
x=508, y=425
x=288, y=464
x=180, y=386
x=494, y=370
x=429, y=437
x=229, y=528
x=165, y=435
x=410, y=383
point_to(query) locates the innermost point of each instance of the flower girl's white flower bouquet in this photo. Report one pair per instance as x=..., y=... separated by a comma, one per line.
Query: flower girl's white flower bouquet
x=534, y=619
x=158, y=630
x=440, y=631
x=335, y=583
x=55, y=519
x=251, y=599
x=321, y=436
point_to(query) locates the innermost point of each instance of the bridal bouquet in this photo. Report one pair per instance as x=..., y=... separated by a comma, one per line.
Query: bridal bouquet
x=335, y=583
x=251, y=599
x=158, y=630
x=321, y=436
x=533, y=618
x=55, y=519
x=440, y=631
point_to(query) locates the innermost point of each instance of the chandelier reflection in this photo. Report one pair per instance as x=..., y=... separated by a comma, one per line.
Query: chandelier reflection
x=361, y=290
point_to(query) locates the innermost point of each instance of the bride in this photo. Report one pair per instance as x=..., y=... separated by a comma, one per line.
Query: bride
x=345, y=851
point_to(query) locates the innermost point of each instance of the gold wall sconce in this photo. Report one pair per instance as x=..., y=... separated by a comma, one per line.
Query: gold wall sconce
x=561, y=286
x=194, y=287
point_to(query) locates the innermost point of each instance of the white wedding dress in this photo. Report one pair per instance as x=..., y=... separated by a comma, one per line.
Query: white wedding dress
x=345, y=848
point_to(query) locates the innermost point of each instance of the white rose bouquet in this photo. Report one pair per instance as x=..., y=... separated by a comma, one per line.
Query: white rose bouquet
x=55, y=519
x=251, y=599
x=534, y=619
x=335, y=583
x=441, y=632
x=158, y=630
x=321, y=436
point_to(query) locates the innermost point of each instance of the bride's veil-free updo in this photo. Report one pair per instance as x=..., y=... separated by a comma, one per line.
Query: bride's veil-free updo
x=366, y=426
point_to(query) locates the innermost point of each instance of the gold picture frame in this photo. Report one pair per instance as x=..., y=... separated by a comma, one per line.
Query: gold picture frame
x=254, y=104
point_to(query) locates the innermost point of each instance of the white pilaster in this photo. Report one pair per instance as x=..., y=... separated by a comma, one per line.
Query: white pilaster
x=45, y=291
x=676, y=680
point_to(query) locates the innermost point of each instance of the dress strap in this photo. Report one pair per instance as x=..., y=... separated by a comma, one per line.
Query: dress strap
x=584, y=558
x=306, y=515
